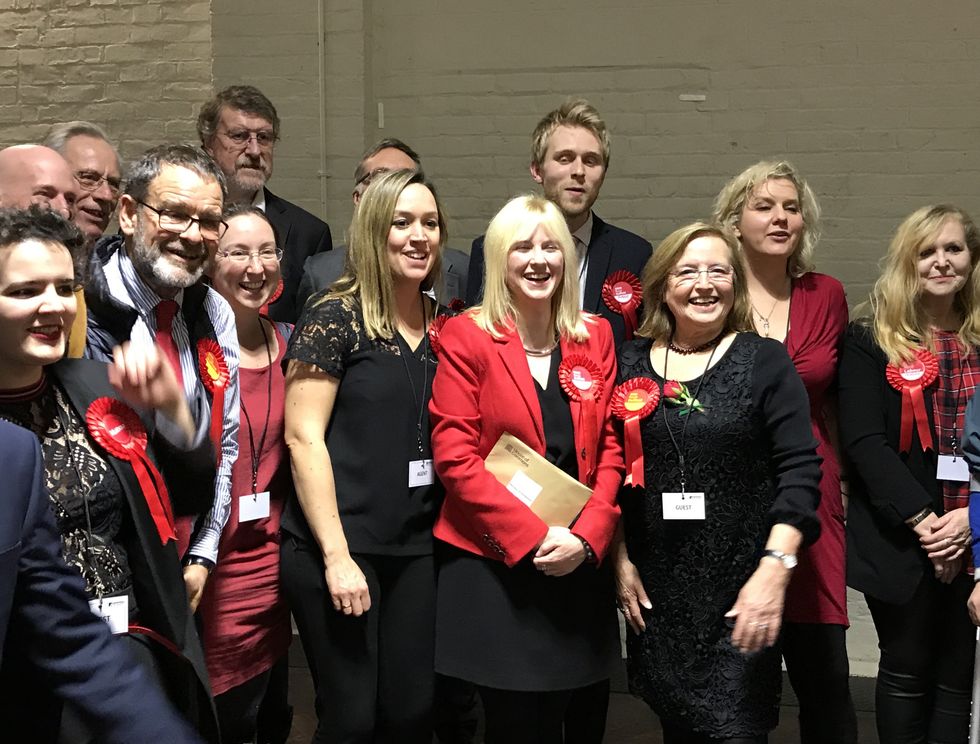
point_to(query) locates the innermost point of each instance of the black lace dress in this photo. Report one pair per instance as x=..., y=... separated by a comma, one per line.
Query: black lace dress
x=752, y=453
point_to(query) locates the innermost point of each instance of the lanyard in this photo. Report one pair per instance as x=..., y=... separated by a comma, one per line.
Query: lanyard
x=257, y=453
x=420, y=405
x=953, y=437
x=680, y=449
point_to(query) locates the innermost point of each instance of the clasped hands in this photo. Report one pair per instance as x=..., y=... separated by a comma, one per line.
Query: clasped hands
x=945, y=539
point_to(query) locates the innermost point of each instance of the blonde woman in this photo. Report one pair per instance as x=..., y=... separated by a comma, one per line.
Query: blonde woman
x=774, y=215
x=357, y=550
x=525, y=609
x=906, y=376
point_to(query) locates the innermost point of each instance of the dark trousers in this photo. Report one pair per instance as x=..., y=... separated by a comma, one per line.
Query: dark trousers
x=373, y=675
x=816, y=661
x=518, y=717
x=682, y=736
x=925, y=675
x=259, y=706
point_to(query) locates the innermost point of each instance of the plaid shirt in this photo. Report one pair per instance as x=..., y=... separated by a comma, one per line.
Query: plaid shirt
x=959, y=374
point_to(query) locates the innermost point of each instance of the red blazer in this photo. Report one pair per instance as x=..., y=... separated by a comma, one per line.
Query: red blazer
x=483, y=388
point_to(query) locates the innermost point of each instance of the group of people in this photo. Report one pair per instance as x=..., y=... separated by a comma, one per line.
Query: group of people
x=745, y=453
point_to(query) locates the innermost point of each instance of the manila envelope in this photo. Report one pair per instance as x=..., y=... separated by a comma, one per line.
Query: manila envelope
x=551, y=493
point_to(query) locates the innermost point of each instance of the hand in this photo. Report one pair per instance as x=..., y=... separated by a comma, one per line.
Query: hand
x=195, y=577
x=947, y=570
x=631, y=594
x=973, y=604
x=758, y=609
x=347, y=585
x=947, y=537
x=560, y=552
x=145, y=380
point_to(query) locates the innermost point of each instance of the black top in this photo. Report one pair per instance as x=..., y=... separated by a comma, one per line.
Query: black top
x=751, y=451
x=556, y=418
x=372, y=435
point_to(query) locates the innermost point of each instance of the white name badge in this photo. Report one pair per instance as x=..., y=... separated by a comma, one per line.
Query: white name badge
x=952, y=468
x=114, y=611
x=253, y=506
x=420, y=473
x=683, y=505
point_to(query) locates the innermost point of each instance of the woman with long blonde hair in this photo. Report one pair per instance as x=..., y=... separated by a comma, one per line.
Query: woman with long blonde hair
x=906, y=375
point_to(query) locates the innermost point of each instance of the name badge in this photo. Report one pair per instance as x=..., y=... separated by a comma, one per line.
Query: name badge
x=114, y=611
x=683, y=505
x=952, y=468
x=253, y=506
x=420, y=473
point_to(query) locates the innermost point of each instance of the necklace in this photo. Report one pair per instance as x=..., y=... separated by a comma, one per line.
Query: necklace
x=696, y=349
x=540, y=352
x=765, y=318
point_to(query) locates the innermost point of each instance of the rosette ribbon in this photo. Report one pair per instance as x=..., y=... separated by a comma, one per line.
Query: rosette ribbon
x=119, y=431
x=633, y=400
x=214, y=375
x=622, y=293
x=581, y=379
x=435, y=328
x=276, y=294
x=909, y=379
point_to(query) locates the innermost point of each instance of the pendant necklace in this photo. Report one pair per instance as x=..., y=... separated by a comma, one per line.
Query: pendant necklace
x=765, y=318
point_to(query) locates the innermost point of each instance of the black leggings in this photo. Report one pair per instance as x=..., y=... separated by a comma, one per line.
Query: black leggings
x=518, y=717
x=373, y=675
x=816, y=661
x=259, y=705
x=925, y=675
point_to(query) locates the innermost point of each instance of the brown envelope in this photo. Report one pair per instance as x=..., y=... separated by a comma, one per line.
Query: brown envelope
x=551, y=493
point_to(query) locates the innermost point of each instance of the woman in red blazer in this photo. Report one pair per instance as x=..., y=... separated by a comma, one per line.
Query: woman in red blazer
x=525, y=610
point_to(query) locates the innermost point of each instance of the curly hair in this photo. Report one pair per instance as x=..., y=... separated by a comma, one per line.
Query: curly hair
x=45, y=226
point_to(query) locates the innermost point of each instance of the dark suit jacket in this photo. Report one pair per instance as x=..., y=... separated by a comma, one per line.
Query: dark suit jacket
x=301, y=235
x=483, y=388
x=324, y=269
x=611, y=249
x=887, y=487
x=45, y=618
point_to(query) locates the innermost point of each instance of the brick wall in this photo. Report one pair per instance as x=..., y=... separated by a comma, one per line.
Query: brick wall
x=132, y=66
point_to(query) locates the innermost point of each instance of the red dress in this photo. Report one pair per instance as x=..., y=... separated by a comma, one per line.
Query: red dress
x=818, y=317
x=245, y=620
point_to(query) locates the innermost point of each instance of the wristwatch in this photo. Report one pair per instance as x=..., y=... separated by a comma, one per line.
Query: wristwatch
x=787, y=559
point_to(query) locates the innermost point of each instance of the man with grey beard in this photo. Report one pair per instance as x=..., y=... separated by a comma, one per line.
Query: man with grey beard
x=143, y=288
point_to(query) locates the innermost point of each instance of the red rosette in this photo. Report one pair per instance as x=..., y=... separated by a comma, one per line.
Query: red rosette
x=435, y=328
x=581, y=379
x=456, y=305
x=118, y=430
x=909, y=379
x=632, y=401
x=214, y=374
x=276, y=294
x=622, y=292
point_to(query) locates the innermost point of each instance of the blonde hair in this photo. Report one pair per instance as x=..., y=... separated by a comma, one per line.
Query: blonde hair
x=658, y=321
x=517, y=221
x=575, y=112
x=367, y=271
x=899, y=321
x=731, y=201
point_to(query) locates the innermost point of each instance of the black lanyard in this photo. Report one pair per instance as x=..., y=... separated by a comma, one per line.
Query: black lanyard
x=420, y=405
x=257, y=453
x=680, y=449
x=953, y=437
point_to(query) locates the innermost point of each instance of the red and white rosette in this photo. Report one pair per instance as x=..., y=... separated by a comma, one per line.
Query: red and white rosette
x=435, y=328
x=276, y=294
x=623, y=293
x=581, y=379
x=633, y=400
x=909, y=379
x=119, y=431
x=214, y=375
x=456, y=305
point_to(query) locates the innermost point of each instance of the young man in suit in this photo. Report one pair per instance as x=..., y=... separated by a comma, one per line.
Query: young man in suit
x=324, y=269
x=569, y=158
x=239, y=128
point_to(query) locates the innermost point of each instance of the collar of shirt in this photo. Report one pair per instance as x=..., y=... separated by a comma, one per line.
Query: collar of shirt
x=258, y=201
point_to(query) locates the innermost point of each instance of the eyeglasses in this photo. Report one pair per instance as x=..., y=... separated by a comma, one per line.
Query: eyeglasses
x=716, y=274
x=241, y=256
x=210, y=227
x=264, y=138
x=89, y=181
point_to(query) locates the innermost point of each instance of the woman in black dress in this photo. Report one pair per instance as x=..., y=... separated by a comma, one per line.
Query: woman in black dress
x=730, y=487
x=357, y=564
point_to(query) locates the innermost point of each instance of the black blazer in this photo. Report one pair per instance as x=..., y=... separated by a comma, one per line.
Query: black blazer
x=324, y=269
x=44, y=607
x=611, y=249
x=301, y=235
x=887, y=487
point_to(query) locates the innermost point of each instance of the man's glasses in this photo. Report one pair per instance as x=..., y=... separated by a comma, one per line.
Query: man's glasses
x=241, y=256
x=715, y=274
x=89, y=181
x=264, y=138
x=211, y=228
